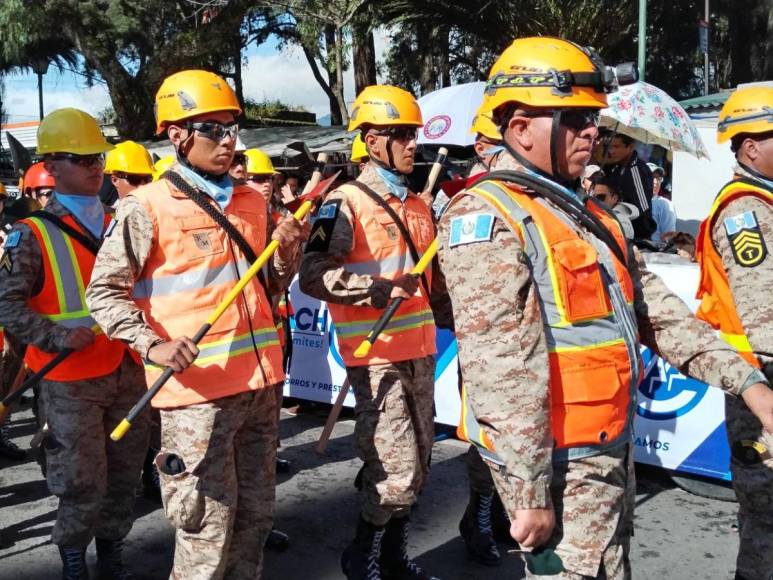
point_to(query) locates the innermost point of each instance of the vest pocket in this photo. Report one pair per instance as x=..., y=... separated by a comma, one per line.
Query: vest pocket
x=579, y=280
x=200, y=237
x=391, y=233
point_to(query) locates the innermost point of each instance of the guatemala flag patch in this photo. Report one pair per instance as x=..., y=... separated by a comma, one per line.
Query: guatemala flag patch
x=468, y=229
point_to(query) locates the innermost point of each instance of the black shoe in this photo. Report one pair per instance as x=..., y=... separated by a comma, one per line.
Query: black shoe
x=277, y=540
x=74, y=564
x=110, y=559
x=8, y=448
x=360, y=560
x=151, y=484
x=395, y=563
x=282, y=465
x=475, y=529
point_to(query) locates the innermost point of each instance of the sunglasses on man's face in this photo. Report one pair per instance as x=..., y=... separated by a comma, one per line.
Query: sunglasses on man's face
x=602, y=197
x=134, y=179
x=239, y=159
x=574, y=119
x=81, y=160
x=260, y=178
x=399, y=133
x=215, y=131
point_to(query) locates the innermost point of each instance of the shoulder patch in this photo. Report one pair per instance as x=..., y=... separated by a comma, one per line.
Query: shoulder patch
x=472, y=228
x=746, y=241
x=322, y=230
x=13, y=239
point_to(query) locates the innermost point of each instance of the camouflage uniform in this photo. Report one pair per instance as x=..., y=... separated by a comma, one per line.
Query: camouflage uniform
x=753, y=481
x=504, y=358
x=394, y=402
x=93, y=477
x=222, y=503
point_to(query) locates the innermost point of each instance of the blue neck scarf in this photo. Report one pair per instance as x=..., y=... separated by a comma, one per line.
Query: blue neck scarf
x=395, y=182
x=87, y=208
x=568, y=192
x=221, y=190
x=493, y=150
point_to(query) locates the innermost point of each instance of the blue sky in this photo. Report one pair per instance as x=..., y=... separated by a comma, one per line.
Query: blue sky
x=269, y=73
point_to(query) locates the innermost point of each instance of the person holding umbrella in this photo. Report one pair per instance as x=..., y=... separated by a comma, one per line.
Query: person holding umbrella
x=550, y=306
x=733, y=250
x=48, y=260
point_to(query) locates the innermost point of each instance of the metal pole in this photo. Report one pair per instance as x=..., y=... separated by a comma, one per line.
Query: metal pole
x=40, y=94
x=643, y=36
x=706, y=55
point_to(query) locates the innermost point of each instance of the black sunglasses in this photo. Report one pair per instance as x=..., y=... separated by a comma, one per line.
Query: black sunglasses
x=260, y=178
x=82, y=160
x=574, y=119
x=239, y=159
x=399, y=132
x=214, y=130
x=603, y=197
x=134, y=179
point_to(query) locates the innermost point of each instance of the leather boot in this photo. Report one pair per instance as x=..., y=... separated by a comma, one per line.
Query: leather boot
x=360, y=560
x=74, y=563
x=395, y=563
x=277, y=540
x=110, y=559
x=8, y=448
x=476, y=531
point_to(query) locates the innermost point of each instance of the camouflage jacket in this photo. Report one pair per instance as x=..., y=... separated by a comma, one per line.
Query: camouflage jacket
x=503, y=351
x=120, y=263
x=323, y=276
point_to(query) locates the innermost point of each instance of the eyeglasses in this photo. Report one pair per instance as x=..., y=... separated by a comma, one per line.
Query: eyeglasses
x=574, y=119
x=134, y=179
x=260, y=178
x=214, y=130
x=239, y=159
x=82, y=160
x=399, y=132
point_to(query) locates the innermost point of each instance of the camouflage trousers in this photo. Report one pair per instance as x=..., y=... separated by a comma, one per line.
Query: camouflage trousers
x=222, y=504
x=752, y=471
x=93, y=477
x=394, y=431
x=593, y=499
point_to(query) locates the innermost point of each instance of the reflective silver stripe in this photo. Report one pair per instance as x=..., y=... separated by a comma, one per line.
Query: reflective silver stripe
x=473, y=431
x=349, y=329
x=63, y=262
x=402, y=263
x=190, y=280
x=583, y=334
x=87, y=321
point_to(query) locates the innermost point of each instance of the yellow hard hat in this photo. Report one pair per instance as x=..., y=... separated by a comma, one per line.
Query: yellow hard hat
x=544, y=72
x=162, y=165
x=483, y=124
x=129, y=157
x=70, y=131
x=359, y=151
x=747, y=110
x=190, y=93
x=259, y=163
x=383, y=106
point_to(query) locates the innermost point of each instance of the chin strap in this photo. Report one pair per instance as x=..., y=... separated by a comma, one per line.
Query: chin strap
x=571, y=184
x=756, y=174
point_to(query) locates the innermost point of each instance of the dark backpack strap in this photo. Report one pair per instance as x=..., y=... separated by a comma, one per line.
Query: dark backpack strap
x=79, y=237
x=400, y=225
x=206, y=203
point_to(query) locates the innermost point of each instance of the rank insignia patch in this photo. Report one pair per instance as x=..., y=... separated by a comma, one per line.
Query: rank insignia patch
x=6, y=263
x=322, y=230
x=746, y=241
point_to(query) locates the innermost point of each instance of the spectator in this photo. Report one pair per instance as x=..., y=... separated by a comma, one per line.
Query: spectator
x=662, y=210
x=605, y=190
x=634, y=181
x=293, y=183
x=590, y=176
x=238, y=170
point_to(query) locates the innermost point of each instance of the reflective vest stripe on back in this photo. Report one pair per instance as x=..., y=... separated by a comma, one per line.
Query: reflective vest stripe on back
x=589, y=325
x=717, y=304
x=67, y=269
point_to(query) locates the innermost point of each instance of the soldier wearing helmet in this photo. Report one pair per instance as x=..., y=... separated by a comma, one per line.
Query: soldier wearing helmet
x=551, y=307
x=358, y=258
x=129, y=165
x=178, y=247
x=47, y=262
x=736, y=277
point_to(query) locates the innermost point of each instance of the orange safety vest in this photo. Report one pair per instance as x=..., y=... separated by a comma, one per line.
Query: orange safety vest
x=191, y=268
x=717, y=304
x=379, y=250
x=67, y=268
x=590, y=325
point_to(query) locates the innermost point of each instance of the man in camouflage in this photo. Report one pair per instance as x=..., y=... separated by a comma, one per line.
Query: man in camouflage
x=93, y=477
x=394, y=389
x=219, y=416
x=576, y=501
x=737, y=275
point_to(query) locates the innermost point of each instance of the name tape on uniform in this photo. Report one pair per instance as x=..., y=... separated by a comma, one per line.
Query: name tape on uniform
x=746, y=241
x=469, y=229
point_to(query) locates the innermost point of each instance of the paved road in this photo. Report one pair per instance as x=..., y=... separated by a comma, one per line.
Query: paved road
x=678, y=535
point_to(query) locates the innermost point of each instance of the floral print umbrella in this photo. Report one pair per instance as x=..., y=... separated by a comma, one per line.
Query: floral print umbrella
x=649, y=115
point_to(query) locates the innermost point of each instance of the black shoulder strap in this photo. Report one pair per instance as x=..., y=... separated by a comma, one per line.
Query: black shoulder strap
x=79, y=237
x=400, y=225
x=205, y=203
x=571, y=207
